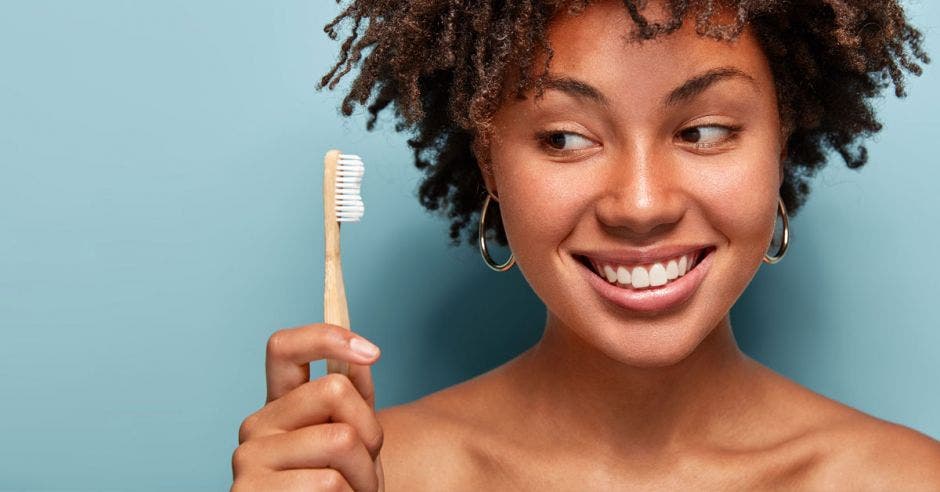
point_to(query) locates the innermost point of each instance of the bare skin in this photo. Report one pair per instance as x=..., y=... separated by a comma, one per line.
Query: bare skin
x=468, y=437
x=612, y=400
x=609, y=398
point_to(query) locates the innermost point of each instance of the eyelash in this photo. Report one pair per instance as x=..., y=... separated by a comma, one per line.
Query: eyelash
x=733, y=130
x=542, y=138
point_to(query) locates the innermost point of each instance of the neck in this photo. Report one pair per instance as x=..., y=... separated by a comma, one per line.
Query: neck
x=600, y=400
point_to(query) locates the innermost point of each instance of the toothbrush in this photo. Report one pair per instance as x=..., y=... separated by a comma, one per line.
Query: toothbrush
x=342, y=180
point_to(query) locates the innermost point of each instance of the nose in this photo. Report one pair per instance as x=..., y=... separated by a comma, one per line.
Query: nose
x=642, y=195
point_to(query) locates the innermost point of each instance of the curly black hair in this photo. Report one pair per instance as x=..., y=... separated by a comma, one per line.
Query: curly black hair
x=446, y=63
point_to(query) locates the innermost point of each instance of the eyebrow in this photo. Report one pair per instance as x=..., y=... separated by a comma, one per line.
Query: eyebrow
x=697, y=84
x=684, y=92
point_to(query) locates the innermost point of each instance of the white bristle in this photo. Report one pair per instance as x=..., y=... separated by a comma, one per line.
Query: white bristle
x=349, y=171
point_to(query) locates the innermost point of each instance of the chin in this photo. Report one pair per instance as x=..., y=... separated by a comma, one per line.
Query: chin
x=651, y=344
x=662, y=340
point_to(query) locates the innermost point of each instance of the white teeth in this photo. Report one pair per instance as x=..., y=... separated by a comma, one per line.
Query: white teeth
x=672, y=270
x=640, y=278
x=657, y=275
x=654, y=275
x=611, y=274
x=623, y=276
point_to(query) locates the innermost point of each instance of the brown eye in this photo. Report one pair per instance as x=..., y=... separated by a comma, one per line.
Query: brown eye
x=707, y=135
x=564, y=141
x=557, y=140
x=691, y=134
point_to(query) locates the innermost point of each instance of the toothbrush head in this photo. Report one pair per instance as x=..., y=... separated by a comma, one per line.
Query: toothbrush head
x=348, y=200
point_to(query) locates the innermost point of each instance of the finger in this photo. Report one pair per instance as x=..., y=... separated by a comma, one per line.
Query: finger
x=291, y=350
x=334, y=445
x=295, y=481
x=379, y=472
x=361, y=377
x=331, y=398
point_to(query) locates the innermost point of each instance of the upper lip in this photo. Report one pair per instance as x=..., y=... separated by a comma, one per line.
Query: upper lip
x=640, y=256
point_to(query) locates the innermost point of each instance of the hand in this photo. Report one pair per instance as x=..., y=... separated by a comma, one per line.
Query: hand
x=312, y=435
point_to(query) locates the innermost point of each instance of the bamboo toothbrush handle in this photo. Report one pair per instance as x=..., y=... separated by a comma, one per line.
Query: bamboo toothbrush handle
x=335, y=310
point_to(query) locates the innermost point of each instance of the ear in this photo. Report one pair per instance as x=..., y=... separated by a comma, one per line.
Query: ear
x=784, y=146
x=481, y=154
x=486, y=170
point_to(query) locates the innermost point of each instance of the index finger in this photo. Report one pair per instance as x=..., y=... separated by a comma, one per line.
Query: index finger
x=290, y=351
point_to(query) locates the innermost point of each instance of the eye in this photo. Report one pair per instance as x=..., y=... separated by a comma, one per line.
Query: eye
x=703, y=136
x=557, y=140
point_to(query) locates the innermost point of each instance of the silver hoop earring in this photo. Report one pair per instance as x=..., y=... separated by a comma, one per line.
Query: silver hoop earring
x=483, y=251
x=785, y=241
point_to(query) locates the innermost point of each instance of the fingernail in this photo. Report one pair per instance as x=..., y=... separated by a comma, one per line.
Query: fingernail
x=363, y=347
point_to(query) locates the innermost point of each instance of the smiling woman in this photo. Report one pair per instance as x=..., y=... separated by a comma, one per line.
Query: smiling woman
x=685, y=160
x=641, y=155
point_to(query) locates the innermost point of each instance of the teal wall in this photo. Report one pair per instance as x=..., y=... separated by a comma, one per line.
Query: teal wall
x=160, y=217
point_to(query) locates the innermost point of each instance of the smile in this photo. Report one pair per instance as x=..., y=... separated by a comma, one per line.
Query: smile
x=649, y=275
x=647, y=286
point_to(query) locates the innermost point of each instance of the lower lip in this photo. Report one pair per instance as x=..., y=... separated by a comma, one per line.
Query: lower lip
x=653, y=299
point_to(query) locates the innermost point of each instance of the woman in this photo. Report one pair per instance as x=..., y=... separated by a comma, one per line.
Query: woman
x=639, y=178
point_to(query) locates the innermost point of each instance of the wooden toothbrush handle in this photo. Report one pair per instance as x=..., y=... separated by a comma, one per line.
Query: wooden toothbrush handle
x=335, y=311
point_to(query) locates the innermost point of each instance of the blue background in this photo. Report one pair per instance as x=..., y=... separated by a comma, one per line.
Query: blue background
x=160, y=217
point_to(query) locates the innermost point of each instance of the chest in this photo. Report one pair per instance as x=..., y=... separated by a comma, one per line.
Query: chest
x=496, y=470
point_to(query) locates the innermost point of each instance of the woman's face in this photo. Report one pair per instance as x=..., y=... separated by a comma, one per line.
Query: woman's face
x=636, y=154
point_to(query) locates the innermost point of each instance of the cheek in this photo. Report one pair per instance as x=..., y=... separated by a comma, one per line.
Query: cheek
x=739, y=201
x=541, y=204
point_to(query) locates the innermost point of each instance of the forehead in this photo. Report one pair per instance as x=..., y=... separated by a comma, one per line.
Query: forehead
x=598, y=44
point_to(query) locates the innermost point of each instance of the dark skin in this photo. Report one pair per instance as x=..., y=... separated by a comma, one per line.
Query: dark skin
x=608, y=399
x=611, y=400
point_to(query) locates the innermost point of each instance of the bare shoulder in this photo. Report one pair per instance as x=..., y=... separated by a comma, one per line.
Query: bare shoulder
x=862, y=452
x=876, y=454
x=852, y=450
x=420, y=448
x=427, y=445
